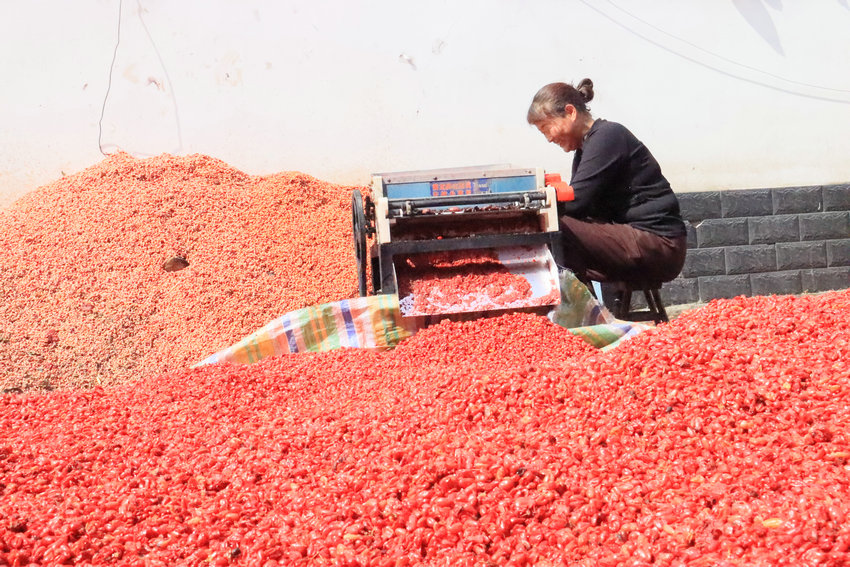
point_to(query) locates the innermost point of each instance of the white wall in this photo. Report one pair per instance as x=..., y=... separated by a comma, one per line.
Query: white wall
x=726, y=93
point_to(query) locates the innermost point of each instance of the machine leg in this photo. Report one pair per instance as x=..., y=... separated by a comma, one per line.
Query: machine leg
x=387, y=273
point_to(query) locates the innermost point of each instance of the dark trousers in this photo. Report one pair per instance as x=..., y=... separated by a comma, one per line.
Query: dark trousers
x=602, y=252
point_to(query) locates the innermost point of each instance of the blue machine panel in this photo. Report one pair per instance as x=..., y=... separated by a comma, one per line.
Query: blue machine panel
x=460, y=187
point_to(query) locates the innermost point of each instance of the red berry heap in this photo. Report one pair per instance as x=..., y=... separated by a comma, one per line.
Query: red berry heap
x=721, y=438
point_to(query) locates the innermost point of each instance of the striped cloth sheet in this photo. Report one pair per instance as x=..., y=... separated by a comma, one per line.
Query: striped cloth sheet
x=375, y=322
x=372, y=322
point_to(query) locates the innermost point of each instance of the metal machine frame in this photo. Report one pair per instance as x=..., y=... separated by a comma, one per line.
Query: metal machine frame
x=376, y=215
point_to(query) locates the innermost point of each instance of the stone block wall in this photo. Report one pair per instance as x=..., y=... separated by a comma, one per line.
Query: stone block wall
x=788, y=240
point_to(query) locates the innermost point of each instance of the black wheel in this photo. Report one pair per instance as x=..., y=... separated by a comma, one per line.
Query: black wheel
x=359, y=228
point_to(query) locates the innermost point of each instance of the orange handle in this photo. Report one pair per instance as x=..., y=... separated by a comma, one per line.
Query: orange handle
x=565, y=193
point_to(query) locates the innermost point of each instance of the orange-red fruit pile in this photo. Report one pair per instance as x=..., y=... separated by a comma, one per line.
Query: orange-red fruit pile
x=89, y=290
x=433, y=284
x=722, y=438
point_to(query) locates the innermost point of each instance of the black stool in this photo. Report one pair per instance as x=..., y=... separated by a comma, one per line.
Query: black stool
x=617, y=296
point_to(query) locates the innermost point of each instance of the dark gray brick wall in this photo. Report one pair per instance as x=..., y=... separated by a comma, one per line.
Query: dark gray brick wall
x=786, y=240
x=698, y=206
x=796, y=255
x=680, y=291
x=749, y=259
x=724, y=286
x=722, y=232
x=791, y=200
x=777, y=283
x=770, y=230
x=705, y=262
x=826, y=279
x=692, y=234
x=750, y=203
x=824, y=226
x=835, y=198
x=838, y=253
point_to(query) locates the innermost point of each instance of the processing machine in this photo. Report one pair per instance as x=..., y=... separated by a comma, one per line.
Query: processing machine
x=460, y=240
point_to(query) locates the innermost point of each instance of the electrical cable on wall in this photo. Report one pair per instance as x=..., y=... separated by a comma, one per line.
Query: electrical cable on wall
x=167, y=78
x=109, y=82
x=841, y=96
x=179, y=148
x=695, y=46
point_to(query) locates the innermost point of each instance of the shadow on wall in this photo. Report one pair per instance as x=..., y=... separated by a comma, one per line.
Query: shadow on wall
x=758, y=16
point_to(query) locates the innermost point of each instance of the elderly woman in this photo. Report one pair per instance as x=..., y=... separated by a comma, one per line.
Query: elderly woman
x=624, y=222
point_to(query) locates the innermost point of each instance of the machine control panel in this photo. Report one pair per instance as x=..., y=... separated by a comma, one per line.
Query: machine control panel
x=460, y=187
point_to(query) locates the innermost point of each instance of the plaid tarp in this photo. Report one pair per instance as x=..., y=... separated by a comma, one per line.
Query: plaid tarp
x=584, y=316
x=375, y=322
x=372, y=322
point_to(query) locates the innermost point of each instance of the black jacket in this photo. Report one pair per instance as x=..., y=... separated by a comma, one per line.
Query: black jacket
x=616, y=179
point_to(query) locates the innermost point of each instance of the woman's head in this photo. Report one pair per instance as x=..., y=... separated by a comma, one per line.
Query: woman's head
x=551, y=100
x=560, y=112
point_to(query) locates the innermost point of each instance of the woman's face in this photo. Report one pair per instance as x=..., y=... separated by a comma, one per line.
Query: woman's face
x=565, y=131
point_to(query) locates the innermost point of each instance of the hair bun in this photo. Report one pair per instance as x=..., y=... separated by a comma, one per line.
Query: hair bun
x=585, y=87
